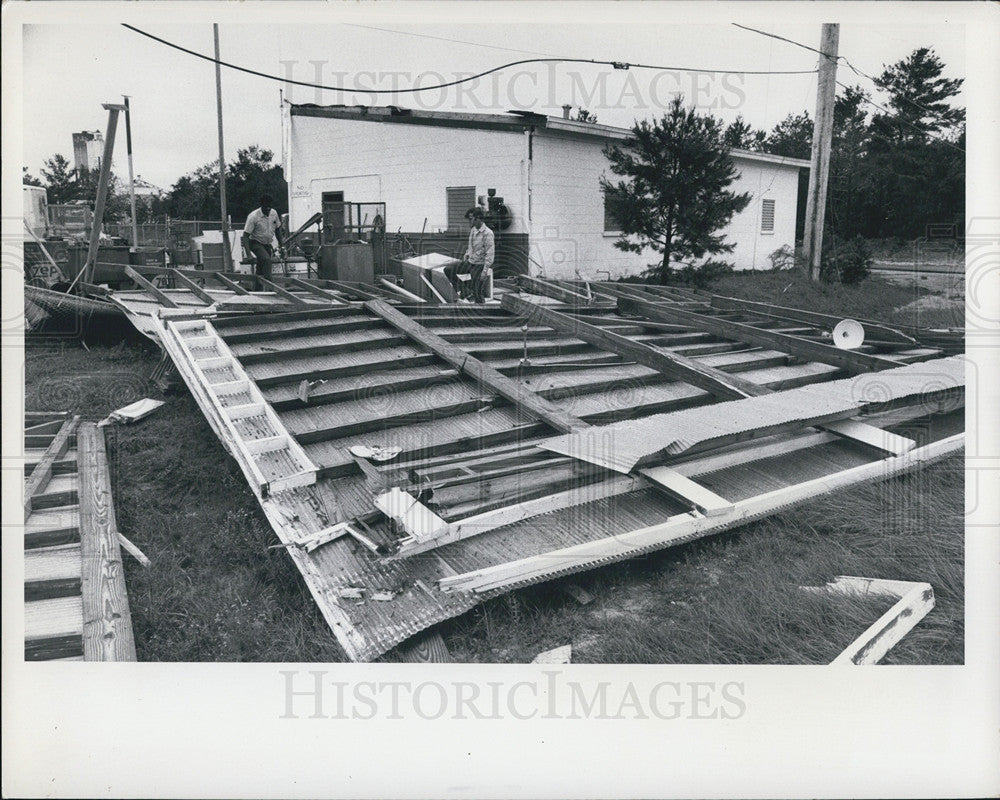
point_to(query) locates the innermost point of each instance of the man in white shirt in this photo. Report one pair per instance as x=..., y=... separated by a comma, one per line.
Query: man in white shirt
x=263, y=226
x=478, y=258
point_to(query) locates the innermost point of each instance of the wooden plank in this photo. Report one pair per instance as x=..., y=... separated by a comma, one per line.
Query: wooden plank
x=193, y=287
x=230, y=283
x=438, y=296
x=425, y=648
x=160, y=297
x=392, y=287
x=107, y=623
x=410, y=514
x=315, y=290
x=508, y=515
x=680, y=486
x=294, y=299
x=42, y=472
x=60, y=616
x=870, y=435
x=52, y=563
x=526, y=400
x=915, y=601
x=686, y=527
x=701, y=375
x=51, y=588
x=795, y=345
x=549, y=289
x=43, y=428
x=351, y=290
x=826, y=321
x=55, y=648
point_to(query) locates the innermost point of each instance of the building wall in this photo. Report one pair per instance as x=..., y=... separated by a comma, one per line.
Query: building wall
x=88, y=149
x=567, y=213
x=408, y=167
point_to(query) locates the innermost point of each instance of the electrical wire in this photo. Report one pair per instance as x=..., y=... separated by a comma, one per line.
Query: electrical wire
x=860, y=74
x=623, y=65
x=905, y=122
x=446, y=39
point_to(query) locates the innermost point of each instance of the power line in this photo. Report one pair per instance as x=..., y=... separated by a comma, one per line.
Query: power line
x=623, y=65
x=855, y=70
x=445, y=39
x=904, y=121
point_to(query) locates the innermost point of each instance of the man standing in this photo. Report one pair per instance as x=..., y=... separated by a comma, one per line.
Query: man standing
x=478, y=258
x=263, y=226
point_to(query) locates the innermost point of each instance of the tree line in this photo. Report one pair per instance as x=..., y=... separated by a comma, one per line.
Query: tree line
x=894, y=171
x=193, y=196
x=893, y=174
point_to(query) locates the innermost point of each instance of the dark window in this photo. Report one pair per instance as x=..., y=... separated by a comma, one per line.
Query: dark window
x=611, y=223
x=767, y=216
x=460, y=200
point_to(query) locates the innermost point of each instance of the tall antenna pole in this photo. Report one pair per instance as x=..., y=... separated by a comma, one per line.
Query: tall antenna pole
x=131, y=177
x=819, y=172
x=227, y=256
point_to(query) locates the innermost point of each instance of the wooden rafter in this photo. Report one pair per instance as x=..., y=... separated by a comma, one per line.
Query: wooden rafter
x=42, y=472
x=144, y=284
x=794, y=345
x=712, y=380
x=485, y=375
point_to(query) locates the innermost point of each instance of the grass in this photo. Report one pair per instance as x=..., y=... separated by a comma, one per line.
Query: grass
x=873, y=298
x=216, y=591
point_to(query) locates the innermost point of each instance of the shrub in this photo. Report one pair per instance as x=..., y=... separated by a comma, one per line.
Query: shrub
x=783, y=258
x=848, y=262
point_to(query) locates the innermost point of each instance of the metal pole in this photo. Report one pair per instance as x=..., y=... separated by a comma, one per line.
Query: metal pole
x=102, y=190
x=819, y=172
x=227, y=255
x=131, y=178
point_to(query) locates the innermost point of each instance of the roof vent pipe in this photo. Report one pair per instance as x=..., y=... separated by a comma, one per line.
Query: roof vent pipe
x=566, y=109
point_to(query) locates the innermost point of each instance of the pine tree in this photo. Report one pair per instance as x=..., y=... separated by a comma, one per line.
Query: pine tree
x=675, y=197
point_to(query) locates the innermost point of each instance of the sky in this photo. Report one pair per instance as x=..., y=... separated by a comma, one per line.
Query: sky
x=70, y=69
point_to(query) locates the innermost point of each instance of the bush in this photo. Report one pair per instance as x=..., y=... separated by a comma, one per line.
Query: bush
x=848, y=262
x=698, y=276
x=784, y=258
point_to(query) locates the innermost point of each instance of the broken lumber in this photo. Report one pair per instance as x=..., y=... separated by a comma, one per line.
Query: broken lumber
x=915, y=601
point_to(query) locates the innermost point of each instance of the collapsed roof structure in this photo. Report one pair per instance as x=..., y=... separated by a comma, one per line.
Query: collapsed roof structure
x=417, y=458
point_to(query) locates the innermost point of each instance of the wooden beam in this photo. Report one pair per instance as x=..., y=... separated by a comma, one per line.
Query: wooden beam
x=107, y=623
x=392, y=287
x=351, y=290
x=694, y=494
x=282, y=292
x=825, y=321
x=192, y=287
x=144, y=284
x=315, y=290
x=915, y=601
x=548, y=289
x=795, y=345
x=230, y=283
x=438, y=296
x=686, y=527
x=497, y=383
x=697, y=374
x=40, y=475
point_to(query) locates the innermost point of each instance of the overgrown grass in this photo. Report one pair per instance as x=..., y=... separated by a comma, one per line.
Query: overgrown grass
x=873, y=298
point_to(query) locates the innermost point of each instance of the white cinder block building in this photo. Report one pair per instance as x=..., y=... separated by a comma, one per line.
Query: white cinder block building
x=434, y=165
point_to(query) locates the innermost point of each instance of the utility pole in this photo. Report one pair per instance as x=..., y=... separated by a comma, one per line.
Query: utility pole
x=819, y=172
x=131, y=177
x=102, y=191
x=227, y=255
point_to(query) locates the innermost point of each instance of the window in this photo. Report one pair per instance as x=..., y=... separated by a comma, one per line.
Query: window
x=611, y=223
x=767, y=216
x=460, y=200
